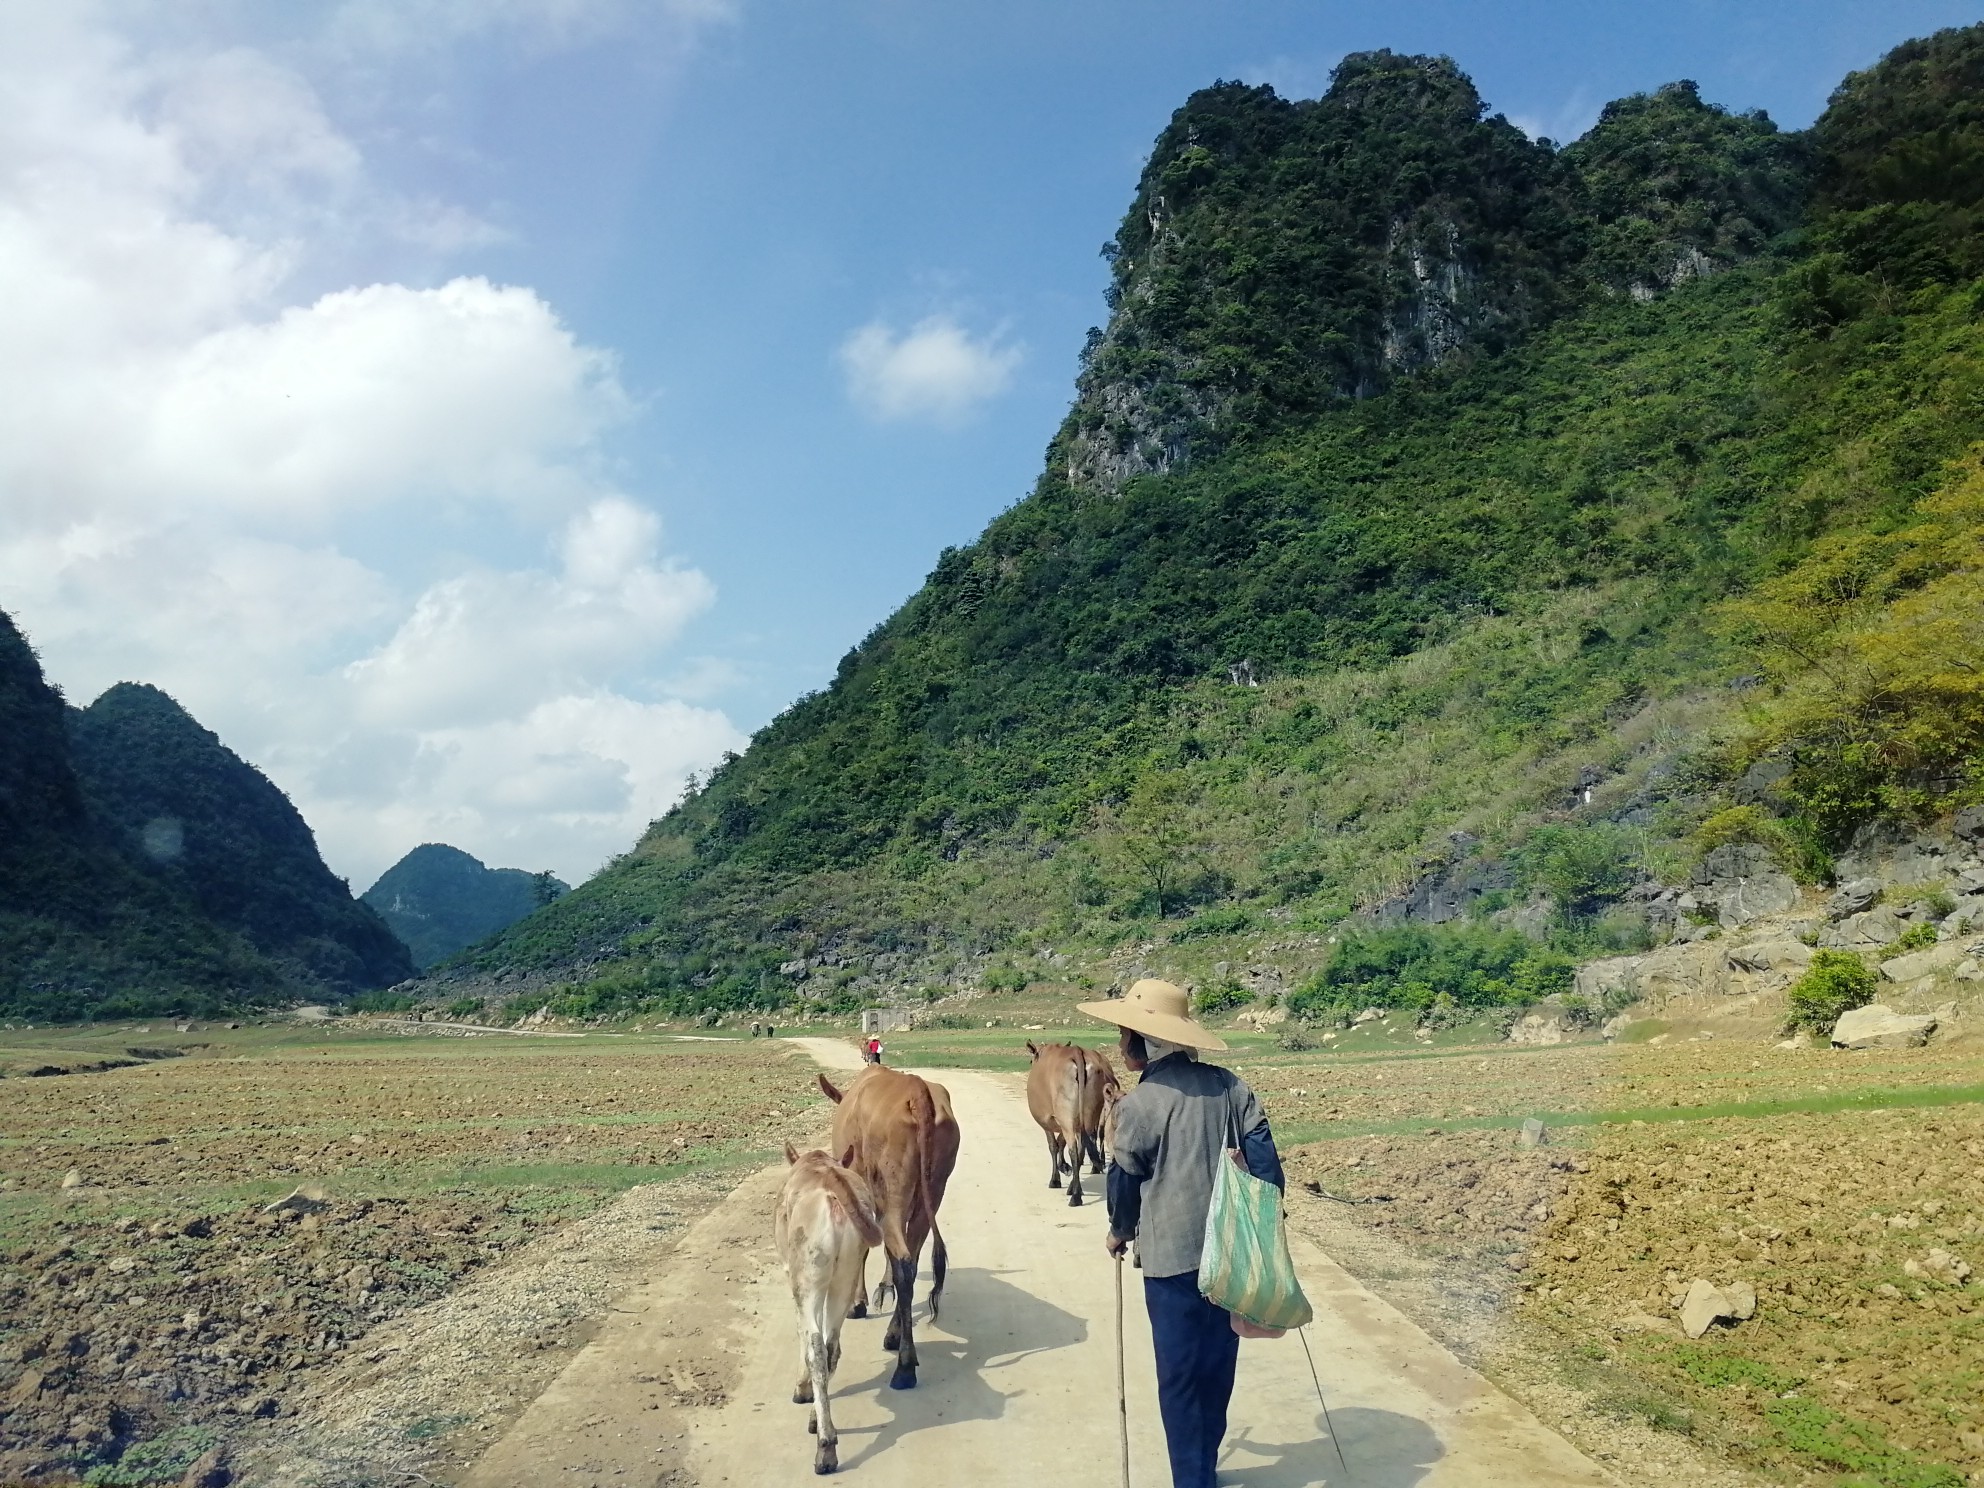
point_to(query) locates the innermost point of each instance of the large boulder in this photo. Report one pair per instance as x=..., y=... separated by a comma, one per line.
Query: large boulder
x=1595, y=980
x=1770, y=955
x=1922, y=963
x=1969, y=824
x=1707, y=1304
x=1878, y=1026
x=1744, y=882
x=1852, y=897
x=1549, y=1022
x=1874, y=927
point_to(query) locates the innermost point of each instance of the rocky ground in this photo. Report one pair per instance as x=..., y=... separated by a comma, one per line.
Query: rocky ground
x=152, y=1303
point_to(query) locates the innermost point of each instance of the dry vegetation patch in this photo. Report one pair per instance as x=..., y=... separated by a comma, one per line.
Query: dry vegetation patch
x=156, y=1294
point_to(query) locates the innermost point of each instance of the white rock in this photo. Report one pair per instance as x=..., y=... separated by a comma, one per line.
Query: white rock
x=1878, y=1026
x=1704, y=1306
x=1742, y=1300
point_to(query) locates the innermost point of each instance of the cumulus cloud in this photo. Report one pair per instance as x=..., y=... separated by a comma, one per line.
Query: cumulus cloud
x=372, y=536
x=935, y=371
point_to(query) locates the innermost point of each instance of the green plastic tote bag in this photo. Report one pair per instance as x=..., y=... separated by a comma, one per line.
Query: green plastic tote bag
x=1245, y=1266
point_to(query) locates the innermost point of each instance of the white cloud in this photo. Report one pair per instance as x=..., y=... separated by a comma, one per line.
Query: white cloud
x=480, y=645
x=936, y=370
x=302, y=513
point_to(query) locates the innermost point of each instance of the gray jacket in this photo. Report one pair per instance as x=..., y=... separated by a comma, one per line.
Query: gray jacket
x=1170, y=1133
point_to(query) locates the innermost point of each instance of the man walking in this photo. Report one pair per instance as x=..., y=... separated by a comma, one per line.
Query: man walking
x=1172, y=1131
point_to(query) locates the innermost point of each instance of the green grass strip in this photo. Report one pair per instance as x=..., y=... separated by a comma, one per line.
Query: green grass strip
x=1918, y=1097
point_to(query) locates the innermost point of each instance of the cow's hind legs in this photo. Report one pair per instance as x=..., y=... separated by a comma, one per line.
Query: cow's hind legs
x=1094, y=1145
x=939, y=1259
x=1075, y=1174
x=1056, y=1164
x=904, y=1339
x=819, y=1358
x=860, y=1307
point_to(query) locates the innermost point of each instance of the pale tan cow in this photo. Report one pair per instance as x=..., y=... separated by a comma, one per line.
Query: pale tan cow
x=825, y=1225
x=1064, y=1094
x=904, y=1139
x=1102, y=1123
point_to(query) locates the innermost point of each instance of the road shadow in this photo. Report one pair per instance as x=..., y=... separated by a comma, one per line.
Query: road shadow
x=988, y=1324
x=1381, y=1449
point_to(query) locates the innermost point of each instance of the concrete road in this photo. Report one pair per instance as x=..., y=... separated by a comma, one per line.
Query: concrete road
x=692, y=1381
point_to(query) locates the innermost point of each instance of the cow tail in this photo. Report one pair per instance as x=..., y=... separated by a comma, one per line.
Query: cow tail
x=924, y=1111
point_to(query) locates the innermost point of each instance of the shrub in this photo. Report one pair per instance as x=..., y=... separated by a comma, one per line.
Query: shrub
x=1914, y=938
x=1220, y=996
x=1006, y=978
x=381, y=1002
x=1836, y=982
x=463, y=1007
x=1221, y=920
x=1412, y=967
x=1580, y=867
x=1794, y=842
x=1295, y=1037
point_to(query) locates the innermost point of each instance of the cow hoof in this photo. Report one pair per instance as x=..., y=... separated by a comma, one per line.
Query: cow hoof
x=1055, y=1181
x=1074, y=1201
x=826, y=1458
x=812, y=1425
x=803, y=1395
x=859, y=1309
x=903, y=1379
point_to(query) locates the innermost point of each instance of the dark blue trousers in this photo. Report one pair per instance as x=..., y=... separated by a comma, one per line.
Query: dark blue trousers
x=1196, y=1352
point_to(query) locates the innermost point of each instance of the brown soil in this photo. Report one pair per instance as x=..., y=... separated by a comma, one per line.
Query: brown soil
x=159, y=1297
x=1865, y=1353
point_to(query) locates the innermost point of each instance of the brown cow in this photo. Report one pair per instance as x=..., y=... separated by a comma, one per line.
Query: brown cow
x=825, y=1225
x=905, y=1143
x=1064, y=1093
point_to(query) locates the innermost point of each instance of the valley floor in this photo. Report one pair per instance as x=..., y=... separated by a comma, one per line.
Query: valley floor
x=564, y=1243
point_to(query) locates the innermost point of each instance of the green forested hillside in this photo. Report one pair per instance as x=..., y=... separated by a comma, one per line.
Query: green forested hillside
x=1432, y=497
x=83, y=930
x=438, y=899
x=204, y=821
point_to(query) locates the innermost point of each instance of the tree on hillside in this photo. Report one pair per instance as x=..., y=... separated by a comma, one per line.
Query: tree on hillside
x=1152, y=836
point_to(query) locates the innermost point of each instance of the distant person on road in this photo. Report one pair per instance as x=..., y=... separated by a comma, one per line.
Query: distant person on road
x=1172, y=1131
x=873, y=1052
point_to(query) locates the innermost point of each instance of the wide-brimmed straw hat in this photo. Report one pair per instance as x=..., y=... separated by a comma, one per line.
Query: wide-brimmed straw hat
x=1158, y=1009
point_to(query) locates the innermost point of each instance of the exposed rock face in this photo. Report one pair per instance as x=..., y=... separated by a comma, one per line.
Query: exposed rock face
x=1596, y=979
x=1744, y=882
x=1426, y=228
x=1874, y=927
x=1878, y=1026
x=1770, y=955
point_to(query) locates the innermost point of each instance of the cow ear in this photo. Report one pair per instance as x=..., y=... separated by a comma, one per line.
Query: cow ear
x=790, y=1155
x=827, y=1089
x=847, y=1157
x=1031, y=1052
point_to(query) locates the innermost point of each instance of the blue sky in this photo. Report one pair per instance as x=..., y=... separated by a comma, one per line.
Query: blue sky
x=484, y=412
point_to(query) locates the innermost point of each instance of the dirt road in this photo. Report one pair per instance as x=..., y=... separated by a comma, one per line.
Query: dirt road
x=690, y=1381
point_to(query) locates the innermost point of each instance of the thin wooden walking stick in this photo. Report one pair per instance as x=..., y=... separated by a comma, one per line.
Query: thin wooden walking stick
x=1303, y=1334
x=1122, y=1394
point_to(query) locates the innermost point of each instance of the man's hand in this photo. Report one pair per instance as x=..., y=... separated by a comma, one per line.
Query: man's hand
x=1116, y=1245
